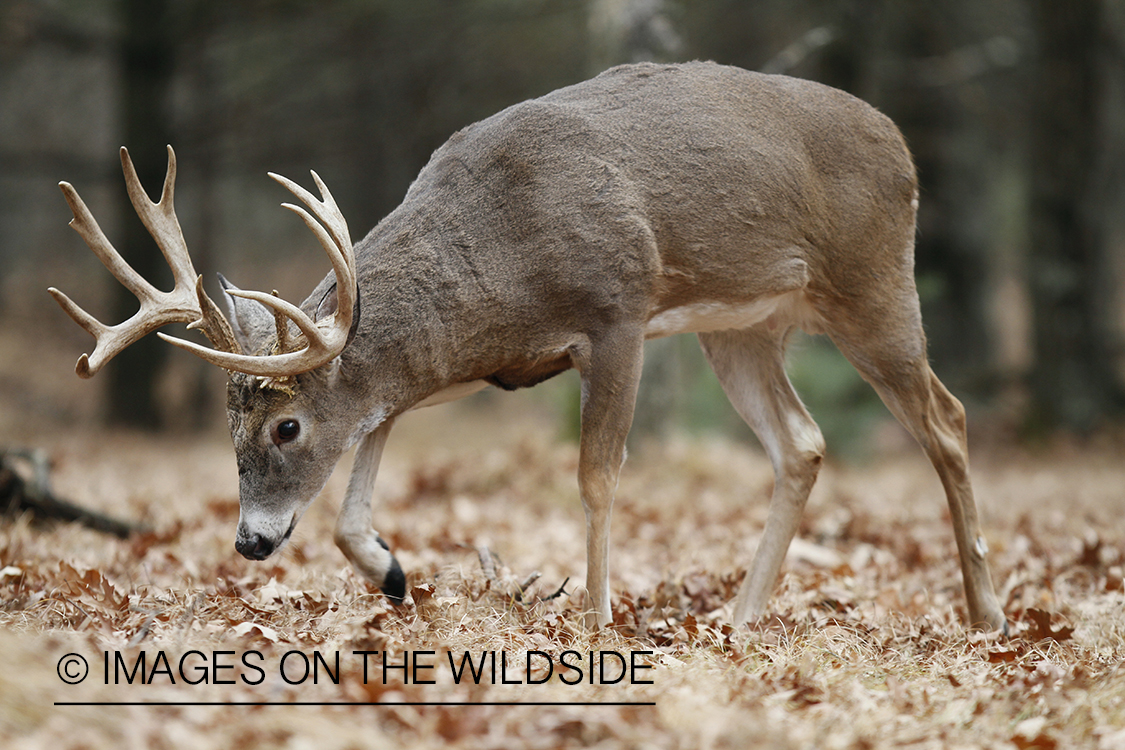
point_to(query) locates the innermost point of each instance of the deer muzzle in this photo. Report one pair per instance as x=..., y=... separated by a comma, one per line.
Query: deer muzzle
x=254, y=545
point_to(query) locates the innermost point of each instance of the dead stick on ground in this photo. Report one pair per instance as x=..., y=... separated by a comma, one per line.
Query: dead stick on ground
x=562, y=590
x=20, y=495
x=487, y=562
x=528, y=581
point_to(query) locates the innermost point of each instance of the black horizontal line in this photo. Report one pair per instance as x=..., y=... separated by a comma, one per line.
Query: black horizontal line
x=355, y=703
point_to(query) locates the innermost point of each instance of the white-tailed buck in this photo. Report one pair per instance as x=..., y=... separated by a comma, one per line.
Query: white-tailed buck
x=563, y=232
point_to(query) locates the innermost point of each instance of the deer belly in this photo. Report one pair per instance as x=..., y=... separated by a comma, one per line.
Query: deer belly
x=788, y=308
x=452, y=393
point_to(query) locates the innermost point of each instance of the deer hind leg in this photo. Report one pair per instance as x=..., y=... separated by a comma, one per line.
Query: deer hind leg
x=610, y=367
x=889, y=350
x=750, y=367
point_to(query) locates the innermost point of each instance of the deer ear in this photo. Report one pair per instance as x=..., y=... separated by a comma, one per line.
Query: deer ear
x=253, y=325
x=328, y=306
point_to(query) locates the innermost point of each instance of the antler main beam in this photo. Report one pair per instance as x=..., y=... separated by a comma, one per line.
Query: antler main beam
x=188, y=303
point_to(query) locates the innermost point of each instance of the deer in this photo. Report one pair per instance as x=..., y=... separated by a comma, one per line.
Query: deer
x=563, y=232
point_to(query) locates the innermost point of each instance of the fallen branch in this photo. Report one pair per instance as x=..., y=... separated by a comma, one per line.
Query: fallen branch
x=562, y=590
x=488, y=562
x=20, y=495
x=528, y=581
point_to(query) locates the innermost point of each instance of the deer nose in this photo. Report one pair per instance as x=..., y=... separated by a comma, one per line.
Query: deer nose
x=254, y=547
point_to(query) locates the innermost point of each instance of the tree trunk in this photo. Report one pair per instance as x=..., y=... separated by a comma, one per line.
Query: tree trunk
x=1072, y=383
x=147, y=63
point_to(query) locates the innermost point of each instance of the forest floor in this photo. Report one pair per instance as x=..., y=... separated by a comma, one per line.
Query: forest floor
x=186, y=641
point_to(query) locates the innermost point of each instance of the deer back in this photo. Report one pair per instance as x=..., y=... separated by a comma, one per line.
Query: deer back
x=646, y=189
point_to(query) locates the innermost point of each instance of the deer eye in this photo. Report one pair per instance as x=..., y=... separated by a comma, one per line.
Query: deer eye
x=286, y=430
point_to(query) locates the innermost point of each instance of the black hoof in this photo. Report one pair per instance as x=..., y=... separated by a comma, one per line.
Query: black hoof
x=394, y=585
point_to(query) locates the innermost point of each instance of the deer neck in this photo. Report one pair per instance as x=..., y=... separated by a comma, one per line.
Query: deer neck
x=409, y=339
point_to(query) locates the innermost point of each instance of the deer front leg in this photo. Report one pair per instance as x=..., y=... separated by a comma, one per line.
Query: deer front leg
x=611, y=370
x=355, y=537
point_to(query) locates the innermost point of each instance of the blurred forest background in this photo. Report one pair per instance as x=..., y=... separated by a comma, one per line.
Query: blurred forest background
x=1014, y=109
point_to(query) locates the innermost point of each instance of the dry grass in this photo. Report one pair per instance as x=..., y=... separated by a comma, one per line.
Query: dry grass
x=866, y=649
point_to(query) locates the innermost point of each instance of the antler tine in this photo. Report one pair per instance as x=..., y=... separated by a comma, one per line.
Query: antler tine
x=160, y=219
x=325, y=210
x=323, y=341
x=343, y=265
x=87, y=227
x=157, y=308
x=336, y=242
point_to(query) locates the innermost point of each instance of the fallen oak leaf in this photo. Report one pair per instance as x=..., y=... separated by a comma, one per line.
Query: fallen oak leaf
x=422, y=593
x=625, y=615
x=1040, y=629
x=1002, y=656
x=94, y=586
x=691, y=626
x=266, y=631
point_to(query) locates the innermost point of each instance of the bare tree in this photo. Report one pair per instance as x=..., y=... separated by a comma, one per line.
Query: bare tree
x=147, y=66
x=1073, y=382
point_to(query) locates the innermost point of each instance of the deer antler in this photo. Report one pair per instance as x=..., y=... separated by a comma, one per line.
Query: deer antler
x=184, y=304
x=323, y=341
x=188, y=303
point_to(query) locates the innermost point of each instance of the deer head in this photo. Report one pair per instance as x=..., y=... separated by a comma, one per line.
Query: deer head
x=280, y=358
